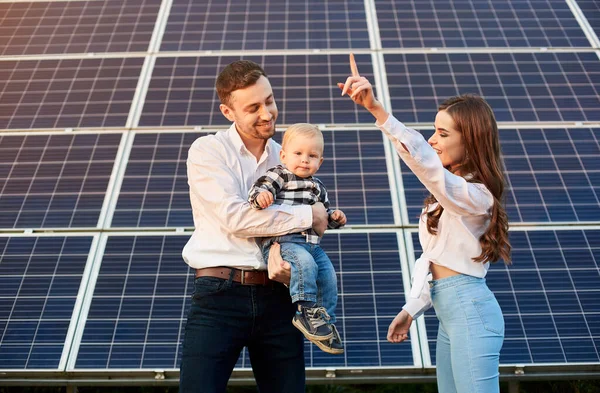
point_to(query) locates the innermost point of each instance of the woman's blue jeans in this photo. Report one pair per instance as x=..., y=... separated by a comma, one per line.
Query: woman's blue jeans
x=313, y=276
x=470, y=335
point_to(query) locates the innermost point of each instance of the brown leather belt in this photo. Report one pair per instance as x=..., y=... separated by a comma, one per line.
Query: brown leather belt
x=245, y=277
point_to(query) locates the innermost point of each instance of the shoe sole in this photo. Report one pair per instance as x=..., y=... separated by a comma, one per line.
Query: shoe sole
x=309, y=335
x=327, y=349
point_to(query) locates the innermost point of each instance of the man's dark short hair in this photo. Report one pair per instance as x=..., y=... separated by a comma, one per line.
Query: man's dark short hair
x=237, y=75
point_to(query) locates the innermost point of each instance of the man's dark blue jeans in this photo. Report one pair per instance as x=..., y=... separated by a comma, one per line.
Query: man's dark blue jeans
x=225, y=316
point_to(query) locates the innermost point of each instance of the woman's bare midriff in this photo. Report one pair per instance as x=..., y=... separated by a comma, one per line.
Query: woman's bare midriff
x=439, y=272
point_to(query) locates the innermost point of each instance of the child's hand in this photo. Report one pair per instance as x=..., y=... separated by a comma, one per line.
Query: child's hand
x=339, y=217
x=264, y=199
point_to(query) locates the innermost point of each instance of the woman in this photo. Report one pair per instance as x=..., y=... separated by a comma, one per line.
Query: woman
x=462, y=229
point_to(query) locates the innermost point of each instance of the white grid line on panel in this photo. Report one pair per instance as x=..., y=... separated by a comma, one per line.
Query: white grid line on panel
x=85, y=299
x=372, y=25
x=394, y=177
x=79, y=304
x=588, y=30
x=121, y=160
x=160, y=26
x=417, y=331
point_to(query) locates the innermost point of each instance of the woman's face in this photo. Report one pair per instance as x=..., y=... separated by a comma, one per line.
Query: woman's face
x=447, y=141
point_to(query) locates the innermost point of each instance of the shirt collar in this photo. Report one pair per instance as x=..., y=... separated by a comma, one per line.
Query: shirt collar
x=235, y=138
x=237, y=142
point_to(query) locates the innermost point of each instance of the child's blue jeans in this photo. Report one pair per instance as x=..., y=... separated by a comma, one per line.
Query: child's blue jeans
x=313, y=276
x=470, y=335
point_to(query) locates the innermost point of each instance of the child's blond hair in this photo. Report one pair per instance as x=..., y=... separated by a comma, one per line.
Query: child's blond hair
x=305, y=130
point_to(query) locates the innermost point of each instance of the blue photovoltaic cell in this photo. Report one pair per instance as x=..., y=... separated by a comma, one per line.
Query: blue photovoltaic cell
x=140, y=301
x=591, y=12
x=182, y=90
x=472, y=23
x=39, y=282
x=533, y=87
x=553, y=175
x=30, y=28
x=259, y=25
x=155, y=192
x=142, y=295
x=54, y=181
x=68, y=93
x=549, y=297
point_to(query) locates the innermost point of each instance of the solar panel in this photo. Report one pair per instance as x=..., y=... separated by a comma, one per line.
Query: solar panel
x=40, y=279
x=142, y=293
x=591, y=11
x=257, y=25
x=155, y=192
x=122, y=297
x=552, y=175
x=30, y=28
x=470, y=23
x=549, y=297
x=532, y=87
x=54, y=181
x=68, y=93
x=182, y=90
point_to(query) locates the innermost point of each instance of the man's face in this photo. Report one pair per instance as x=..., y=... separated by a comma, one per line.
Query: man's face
x=253, y=110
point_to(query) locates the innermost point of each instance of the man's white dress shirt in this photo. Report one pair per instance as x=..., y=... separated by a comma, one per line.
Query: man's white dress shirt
x=220, y=172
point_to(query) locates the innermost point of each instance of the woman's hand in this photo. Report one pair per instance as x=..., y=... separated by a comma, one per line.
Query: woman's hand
x=360, y=91
x=398, y=330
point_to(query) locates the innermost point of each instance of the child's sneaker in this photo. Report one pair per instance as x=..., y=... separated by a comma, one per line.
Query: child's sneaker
x=332, y=345
x=313, y=323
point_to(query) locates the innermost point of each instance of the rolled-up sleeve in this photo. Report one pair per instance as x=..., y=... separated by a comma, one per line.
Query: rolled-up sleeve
x=419, y=297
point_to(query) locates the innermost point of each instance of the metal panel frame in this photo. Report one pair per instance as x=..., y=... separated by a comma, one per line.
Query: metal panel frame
x=421, y=372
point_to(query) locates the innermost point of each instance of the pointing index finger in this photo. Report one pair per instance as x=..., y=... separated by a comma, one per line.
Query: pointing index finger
x=353, y=66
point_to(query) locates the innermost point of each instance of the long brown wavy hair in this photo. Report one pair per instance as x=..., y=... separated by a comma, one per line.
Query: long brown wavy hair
x=475, y=120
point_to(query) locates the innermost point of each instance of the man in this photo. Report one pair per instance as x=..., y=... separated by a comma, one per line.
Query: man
x=236, y=303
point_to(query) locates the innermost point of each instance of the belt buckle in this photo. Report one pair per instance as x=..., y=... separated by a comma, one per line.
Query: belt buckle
x=307, y=237
x=243, y=277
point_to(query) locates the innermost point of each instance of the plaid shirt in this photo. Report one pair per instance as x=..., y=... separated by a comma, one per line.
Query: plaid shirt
x=289, y=189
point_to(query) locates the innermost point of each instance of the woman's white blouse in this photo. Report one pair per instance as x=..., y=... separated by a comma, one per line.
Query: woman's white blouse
x=467, y=210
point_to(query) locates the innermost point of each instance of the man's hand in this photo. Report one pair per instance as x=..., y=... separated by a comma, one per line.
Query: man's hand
x=320, y=218
x=279, y=270
x=398, y=330
x=339, y=217
x=264, y=199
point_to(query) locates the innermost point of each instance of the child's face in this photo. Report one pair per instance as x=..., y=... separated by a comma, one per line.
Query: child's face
x=302, y=155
